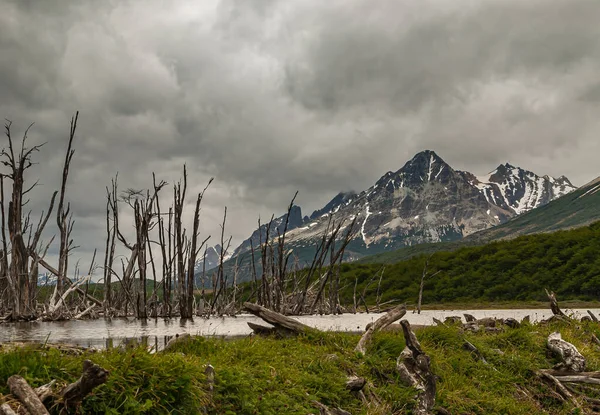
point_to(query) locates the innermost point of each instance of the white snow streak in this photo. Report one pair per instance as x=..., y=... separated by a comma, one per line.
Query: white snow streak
x=362, y=228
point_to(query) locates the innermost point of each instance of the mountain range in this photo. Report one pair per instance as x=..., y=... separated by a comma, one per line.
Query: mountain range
x=424, y=201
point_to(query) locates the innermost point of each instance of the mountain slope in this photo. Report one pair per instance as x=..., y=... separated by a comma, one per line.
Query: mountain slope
x=425, y=201
x=428, y=201
x=575, y=209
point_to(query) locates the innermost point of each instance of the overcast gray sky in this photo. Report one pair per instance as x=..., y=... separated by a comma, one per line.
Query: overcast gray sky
x=270, y=97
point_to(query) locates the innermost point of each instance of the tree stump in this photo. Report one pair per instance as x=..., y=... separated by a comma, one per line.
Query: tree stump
x=92, y=376
x=414, y=368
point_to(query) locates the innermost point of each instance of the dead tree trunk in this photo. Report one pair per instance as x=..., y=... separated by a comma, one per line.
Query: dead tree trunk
x=424, y=276
x=414, y=368
x=63, y=219
x=193, y=254
x=18, y=269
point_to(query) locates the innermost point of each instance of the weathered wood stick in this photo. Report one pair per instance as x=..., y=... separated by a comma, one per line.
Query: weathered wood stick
x=554, y=372
x=85, y=312
x=383, y=321
x=45, y=391
x=5, y=409
x=564, y=392
x=578, y=379
x=276, y=319
x=572, y=360
x=325, y=410
x=92, y=376
x=471, y=347
x=554, y=304
x=355, y=383
x=209, y=371
x=21, y=389
x=438, y=322
x=594, y=318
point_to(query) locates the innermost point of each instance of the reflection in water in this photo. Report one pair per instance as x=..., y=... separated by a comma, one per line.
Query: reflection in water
x=112, y=333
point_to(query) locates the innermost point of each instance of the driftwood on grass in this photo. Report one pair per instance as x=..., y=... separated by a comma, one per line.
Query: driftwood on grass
x=46, y=391
x=471, y=347
x=414, y=368
x=278, y=320
x=267, y=331
x=393, y=315
x=209, y=371
x=21, y=389
x=325, y=410
x=571, y=359
x=92, y=376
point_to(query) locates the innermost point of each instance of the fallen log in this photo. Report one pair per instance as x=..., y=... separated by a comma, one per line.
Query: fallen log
x=21, y=389
x=593, y=317
x=383, y=321
x=5, y=409
x=92, y=376
x=562, y=390
x=414, y=368
x=555, y=372
x=571, y=359
x=579, y=379
x=267, y=331
x=276, y=319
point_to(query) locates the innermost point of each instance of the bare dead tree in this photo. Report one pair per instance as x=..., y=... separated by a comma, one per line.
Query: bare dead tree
x=111, y=238
x=63, y=216
x=424, y=276
x=17, y=271
x=188, y=311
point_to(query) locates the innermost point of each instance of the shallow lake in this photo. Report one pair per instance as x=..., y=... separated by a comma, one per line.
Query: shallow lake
x=107, y=333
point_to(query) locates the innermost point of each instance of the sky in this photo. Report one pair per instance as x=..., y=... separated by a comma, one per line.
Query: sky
x=272, y=97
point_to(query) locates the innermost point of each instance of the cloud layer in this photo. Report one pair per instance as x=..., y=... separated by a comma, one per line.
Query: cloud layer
x=270, y=97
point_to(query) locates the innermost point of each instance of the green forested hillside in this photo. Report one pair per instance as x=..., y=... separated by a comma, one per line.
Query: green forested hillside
x=567, y=262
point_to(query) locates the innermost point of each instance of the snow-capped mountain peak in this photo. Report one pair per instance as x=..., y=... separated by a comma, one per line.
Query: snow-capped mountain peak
x=521, y=190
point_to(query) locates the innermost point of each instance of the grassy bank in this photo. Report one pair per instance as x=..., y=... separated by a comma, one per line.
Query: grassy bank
x=274, y=376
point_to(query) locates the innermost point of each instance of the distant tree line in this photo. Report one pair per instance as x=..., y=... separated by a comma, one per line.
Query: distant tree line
x=568, y=262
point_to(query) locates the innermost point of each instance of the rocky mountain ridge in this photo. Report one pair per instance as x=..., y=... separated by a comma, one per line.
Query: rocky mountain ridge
x=424, y=201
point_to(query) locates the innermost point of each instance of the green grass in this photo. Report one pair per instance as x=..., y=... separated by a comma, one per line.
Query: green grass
x=283, y=376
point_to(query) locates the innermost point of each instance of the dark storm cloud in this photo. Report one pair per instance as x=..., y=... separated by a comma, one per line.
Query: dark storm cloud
x=270, y=97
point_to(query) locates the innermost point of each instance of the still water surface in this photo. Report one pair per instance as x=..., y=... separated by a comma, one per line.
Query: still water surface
x=105, y=333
